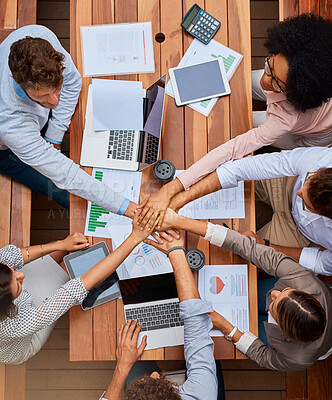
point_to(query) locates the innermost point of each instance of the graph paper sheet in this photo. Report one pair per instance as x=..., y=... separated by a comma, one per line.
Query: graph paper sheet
x=127, y=183
x=226, y=287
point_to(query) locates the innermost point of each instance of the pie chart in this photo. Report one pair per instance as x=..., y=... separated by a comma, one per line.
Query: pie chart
x=216, y=285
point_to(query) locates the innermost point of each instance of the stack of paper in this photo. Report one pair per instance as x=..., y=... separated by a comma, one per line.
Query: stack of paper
x=199, y=52
x=117, y=49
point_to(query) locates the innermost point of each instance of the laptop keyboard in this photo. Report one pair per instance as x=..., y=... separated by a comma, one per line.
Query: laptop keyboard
x=157, y=316
x=120, y=145
x=152, y=145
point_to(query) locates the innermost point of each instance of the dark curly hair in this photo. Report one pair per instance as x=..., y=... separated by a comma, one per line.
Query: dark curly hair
x=34, y=63
x=306, y=42
x=148, y=388
x=7, y=307
x=320, y=191
x=301, y=317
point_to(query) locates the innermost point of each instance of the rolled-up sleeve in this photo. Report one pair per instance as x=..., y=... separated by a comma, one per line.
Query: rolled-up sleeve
x=198, y=351
x=319, y=261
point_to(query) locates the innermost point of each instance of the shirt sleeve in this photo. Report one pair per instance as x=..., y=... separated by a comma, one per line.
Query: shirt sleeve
x=270, y=358
x=276, y=125
x=266, y=258
x=25, y=141
x=264, y=166
x=198, y=351
x=319, y=261
x=11, y=255
x=32, y=319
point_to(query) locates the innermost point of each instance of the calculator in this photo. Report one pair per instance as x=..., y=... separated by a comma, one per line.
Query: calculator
x=200, y=24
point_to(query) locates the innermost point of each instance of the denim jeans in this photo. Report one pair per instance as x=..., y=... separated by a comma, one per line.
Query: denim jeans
x=12, y=166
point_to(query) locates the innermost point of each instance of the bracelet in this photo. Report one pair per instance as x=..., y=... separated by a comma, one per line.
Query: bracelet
x=28, y=255
x=266, y=242
x=175, y=248
x=229, y=337
x=42, y=253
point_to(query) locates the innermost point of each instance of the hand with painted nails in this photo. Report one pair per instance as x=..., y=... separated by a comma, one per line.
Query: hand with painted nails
x=127, y=352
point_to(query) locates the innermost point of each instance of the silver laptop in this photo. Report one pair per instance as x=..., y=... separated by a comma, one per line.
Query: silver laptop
x=153, y=300
x=127, y=150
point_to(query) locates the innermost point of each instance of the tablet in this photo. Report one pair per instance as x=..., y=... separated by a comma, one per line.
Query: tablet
x=80, y=262
x=193, y=83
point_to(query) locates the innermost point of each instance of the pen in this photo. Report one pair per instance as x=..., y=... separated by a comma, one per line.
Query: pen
x=225, y=225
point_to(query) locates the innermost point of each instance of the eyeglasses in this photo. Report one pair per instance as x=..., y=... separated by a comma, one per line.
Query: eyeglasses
x=268, y=70
x=308, y=175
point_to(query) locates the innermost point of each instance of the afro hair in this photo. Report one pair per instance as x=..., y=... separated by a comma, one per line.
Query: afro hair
x=306, y=42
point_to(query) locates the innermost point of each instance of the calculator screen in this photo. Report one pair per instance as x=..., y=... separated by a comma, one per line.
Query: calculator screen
x=198, y=81
x=187, y=21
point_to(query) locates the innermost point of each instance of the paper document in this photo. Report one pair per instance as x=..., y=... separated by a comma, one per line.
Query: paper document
x=225, y=203
x=127, y=183
x=117, y=105
x=117, y=49
x=143, y=261
x=226, y=287
x=198, y=52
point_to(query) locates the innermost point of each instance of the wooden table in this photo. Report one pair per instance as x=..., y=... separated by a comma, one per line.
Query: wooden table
x=190, y=136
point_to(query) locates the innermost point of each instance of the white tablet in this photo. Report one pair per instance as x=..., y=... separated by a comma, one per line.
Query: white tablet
x=197, y=82
x=80, y=262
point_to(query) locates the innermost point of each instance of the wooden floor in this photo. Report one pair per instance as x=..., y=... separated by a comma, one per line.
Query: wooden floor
x=49, y=374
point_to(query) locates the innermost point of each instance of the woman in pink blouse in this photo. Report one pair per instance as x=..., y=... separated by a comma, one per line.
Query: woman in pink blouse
x=297, y=80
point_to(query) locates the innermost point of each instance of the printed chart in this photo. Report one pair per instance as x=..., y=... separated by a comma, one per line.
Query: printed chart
x=143, y=261
x=125, y=182
x=226, y=287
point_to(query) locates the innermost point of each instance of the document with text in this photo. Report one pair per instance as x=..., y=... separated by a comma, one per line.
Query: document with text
x=225, y=203
x=226, y=287
x=144, y=260
x=117, y=49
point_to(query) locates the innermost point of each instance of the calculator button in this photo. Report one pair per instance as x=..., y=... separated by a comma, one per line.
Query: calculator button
x=213, y=27
x=203, y=13
x=216, y=23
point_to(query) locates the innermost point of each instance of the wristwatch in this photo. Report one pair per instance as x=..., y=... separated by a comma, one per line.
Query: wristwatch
x=229, y=337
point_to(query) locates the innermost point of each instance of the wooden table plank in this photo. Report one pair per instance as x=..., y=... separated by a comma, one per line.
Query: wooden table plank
x=81, y=321
x=26, y=12
x=173, y=142
x=8, y=15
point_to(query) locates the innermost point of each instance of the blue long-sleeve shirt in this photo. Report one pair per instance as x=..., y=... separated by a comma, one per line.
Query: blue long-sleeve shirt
x=21, y=120
x=201, y=383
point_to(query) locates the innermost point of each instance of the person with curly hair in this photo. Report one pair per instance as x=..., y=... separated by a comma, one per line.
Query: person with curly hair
x=297, y=85
x=198, y=345
x=39, y=90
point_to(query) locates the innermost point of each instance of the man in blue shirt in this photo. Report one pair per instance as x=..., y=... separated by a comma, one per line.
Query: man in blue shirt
x=201, y=383
x=37, y=75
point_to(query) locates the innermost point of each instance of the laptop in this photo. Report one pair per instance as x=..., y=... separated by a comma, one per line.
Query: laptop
x=126, y=150
x=154, y=301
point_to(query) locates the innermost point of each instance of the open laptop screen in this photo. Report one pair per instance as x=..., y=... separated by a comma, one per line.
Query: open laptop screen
x=148, y=288
x=154, y=105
